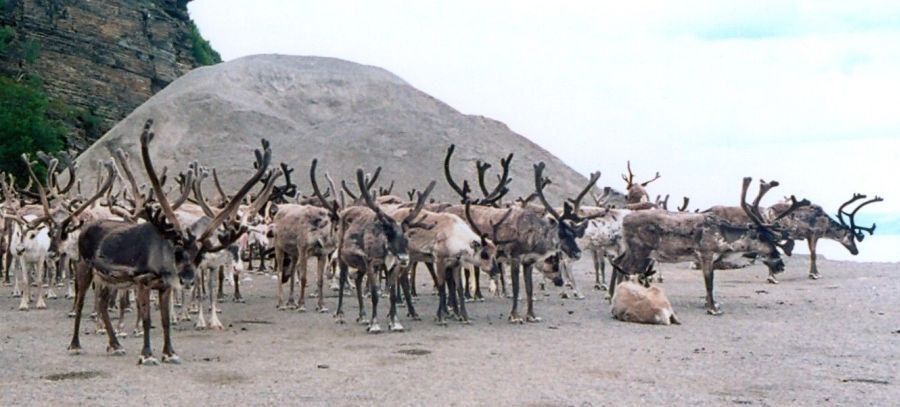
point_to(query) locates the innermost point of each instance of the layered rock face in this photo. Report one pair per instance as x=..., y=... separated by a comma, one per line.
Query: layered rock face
x=103, y=57
x=346, y=114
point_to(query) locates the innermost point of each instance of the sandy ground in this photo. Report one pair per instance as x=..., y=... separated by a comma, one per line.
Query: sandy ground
x=835, y=341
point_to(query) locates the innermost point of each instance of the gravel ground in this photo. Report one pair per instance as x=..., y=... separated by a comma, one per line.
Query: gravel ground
x=834, y=341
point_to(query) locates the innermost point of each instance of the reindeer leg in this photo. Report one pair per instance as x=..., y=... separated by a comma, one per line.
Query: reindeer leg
x=82, y=281
x=412, y=278
x=26, y=290
x=220, y=294
x=198, y=300
x=291, y=304
x=712, y=308
x=279, y=271
x=114, y=347
x=143, y=301
x=372, y=275
x=514, y=276
x=303, y=265
x=321, y=261
x=457, y=277
x=468, y=281
x=168, y=353
x=599, y=267
x=214, y=322
x=529, y=293
x=451, y=291
x=570, y=279
x=41, y=270
x=342, y=281
x=613, y=277
x=393, y=291
x=237, y=287
x=434, y=278
x=440, y=282
x=123, y=305
x=361, y=319
x=478, y=296
x=410, y=309
x=813, y=270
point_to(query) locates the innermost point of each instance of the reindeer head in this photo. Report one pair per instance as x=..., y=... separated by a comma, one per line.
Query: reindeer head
x=766, y=238
x=396, y=242
x=487, y=247
x=851, y=233
x=570, y=225
x=636, y=192
x=189, y=249
x=64, y=218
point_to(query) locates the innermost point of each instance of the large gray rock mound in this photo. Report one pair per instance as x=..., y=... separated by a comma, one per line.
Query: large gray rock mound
x=346, y=114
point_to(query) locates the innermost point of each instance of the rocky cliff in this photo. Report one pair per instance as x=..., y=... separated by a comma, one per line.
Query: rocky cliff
x=101, y=58
x=346, y=114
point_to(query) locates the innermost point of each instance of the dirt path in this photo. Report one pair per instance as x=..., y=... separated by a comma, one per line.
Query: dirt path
x=831, y=341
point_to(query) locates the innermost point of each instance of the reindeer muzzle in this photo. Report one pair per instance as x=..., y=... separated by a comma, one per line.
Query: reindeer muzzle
x=404, y=260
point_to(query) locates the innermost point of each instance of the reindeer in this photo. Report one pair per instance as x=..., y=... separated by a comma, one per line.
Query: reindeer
x=635, y=303
x=636, y=197
x=300, y=232
x=704, y=237
x=370, y=241
x=811, y=223
x=165, y=258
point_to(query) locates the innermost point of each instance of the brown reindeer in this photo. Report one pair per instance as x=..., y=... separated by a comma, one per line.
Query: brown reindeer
x=703, y=237
x=301, y=232
x=165, y=257
x=372, y=241
x=810, y=223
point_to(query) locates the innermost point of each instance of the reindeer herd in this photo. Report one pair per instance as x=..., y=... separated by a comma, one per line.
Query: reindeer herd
x=129, y=240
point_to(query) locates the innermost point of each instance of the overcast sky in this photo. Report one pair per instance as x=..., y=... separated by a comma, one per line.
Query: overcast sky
x=807, y=93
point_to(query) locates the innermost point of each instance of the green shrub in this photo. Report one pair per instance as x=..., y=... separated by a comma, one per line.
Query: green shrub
x=24, y=127
x=204, y=54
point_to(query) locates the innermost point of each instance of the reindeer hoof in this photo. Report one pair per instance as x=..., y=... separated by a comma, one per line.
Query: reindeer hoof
x=238, y=300
x=148, y=361
x=281, y=307
x=532, y=318
x=772, y=280
x=51, y=296
x=171, y=359
x=374, y=329
x=121, y=333
x=115, y=351
x=414, y=316
x=395, y=327
x=362, y=320
x=321, y=309
x=217, y=326
x=74, y=350
x=137, y=332
x=71, y=314
x=101, y=331
x=23, y=307
x=714, y=311
x=815, y=276
x=515, y=319
x=301, y=308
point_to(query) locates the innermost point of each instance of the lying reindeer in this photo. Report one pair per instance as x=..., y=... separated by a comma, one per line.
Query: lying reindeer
x=635, y=303
x=670, y=237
